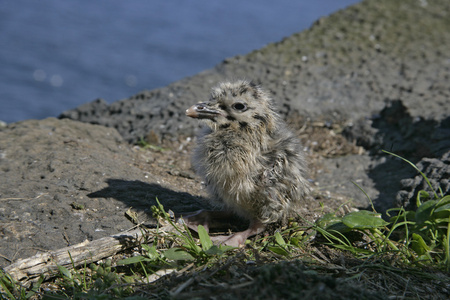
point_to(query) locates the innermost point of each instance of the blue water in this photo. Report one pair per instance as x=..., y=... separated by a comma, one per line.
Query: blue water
x=58, y=54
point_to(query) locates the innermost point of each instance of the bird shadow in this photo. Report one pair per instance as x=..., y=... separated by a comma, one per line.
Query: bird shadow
x=141, y=196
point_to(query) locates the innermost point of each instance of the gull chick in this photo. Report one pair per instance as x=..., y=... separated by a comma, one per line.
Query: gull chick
x=252, y=164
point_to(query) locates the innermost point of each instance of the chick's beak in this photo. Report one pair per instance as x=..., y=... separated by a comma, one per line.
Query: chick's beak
x=201, y=111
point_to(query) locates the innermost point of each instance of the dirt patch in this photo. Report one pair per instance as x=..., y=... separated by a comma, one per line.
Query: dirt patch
x=65, y=181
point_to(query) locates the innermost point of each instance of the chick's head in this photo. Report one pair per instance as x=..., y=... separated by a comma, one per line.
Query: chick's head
x=238, y=105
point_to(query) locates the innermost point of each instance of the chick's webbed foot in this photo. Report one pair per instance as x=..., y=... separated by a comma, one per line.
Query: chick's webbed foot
x=219, y=219
x=237, y=239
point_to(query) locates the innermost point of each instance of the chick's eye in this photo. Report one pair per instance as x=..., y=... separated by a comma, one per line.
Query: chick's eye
x=239, y=106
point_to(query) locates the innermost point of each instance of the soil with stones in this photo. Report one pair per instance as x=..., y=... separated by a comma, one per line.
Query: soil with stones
x=373, y=76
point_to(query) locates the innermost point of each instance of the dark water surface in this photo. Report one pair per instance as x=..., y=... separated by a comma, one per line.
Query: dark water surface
x=56, y=55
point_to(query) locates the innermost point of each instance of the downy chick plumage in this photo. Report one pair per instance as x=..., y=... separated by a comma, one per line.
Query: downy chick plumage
x=252, y=164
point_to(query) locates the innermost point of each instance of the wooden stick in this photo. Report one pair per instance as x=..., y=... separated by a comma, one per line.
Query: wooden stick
x=28, y=270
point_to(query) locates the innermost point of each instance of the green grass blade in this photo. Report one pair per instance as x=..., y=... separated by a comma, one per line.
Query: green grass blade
x=367, y=196
x=65, y=272
x=415, y=167
x=279, y=239
x=7, y=284
x=205, y=240
x=178, y=254
x=363, y=219
x=447, y=246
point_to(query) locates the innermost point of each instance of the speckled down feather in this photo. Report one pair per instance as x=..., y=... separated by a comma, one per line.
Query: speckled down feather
x=250, y=161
